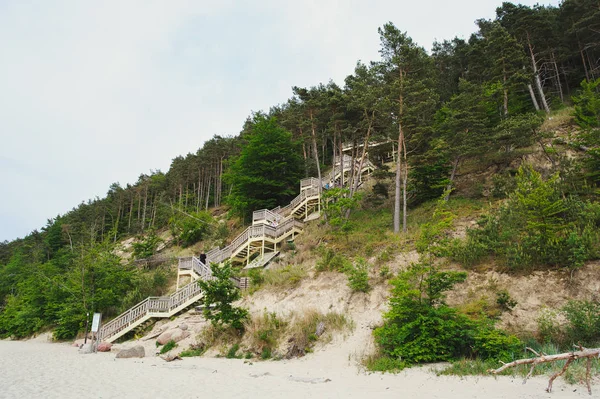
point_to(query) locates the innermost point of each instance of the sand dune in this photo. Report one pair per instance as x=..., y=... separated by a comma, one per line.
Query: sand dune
x=37, y=369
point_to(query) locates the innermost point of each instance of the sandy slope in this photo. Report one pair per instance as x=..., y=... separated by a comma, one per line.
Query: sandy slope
x=36, y=369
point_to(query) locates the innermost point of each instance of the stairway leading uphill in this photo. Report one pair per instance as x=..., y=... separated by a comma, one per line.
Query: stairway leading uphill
x=258, y=243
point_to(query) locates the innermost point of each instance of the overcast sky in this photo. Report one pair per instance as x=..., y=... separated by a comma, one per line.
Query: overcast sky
x=96, y=92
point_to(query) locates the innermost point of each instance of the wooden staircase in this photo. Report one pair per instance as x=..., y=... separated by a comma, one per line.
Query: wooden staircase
x=149, y=308
x=268, y=230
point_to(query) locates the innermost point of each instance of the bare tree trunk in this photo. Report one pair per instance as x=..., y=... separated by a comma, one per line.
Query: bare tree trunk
x=180, y=195
x=130, y=213
x=342, y=177
x=351, y=176
x=505, y=102
x=207, y=194
x=333, y=157
x=118, y=220
x=362, y=158
x=155, y=210
x=315, y=149
x=536, y=75
x=533, y=99
x=587, y=75
x=399, y=174
x=591, y=64
x=145, y=205
x=198, y=193
x=452, y=176
x=187, y=195
x=582, y=353
x=139, y=215
x=558, y=83
x=221, y=181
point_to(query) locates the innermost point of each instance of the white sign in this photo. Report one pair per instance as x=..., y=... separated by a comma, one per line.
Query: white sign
x=96, y=322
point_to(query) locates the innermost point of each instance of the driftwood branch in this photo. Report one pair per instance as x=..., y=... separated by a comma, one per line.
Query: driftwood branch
x=582, y=353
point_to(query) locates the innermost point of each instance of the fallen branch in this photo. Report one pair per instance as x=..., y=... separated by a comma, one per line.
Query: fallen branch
x=582, y=353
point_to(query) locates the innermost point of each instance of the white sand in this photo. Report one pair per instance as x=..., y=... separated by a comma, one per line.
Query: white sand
x=37, y=369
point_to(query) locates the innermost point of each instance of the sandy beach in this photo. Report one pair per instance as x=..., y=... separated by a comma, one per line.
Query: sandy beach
x=38, y=369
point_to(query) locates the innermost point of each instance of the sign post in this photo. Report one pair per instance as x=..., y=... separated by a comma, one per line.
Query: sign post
x=95, y=328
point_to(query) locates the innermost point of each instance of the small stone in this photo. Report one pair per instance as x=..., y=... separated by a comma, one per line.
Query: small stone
x=104, y=347
x=164, y=337
x=136, y=351
x=178, y=335
x=87, y=348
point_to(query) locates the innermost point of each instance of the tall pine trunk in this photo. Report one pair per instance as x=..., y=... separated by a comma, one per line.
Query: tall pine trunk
x=400, y=178
x=316, y=149
x=452, y=176
x=533, y=99
x=536, y=76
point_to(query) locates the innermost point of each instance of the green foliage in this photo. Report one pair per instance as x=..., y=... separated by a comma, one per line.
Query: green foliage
x=60, y=292
x=194, y=350
x=548, y=328
x=190, y=228
x=265, y=333
x=337, y=205
x=266, y=353
x=491, y=343
x=429, y=176
x=505, y=301
x=517, y=131
x=537, y=226
x=384, y=364
x=434, y=233
x=332, y=261
x=168, y=346
x=358, y=276
x=146, y=246
x=583, y=322
x=222, y=292
x=587, y=105
x=232, y=352
x=256, y=277
x=268, y=169
x=281, y=278
x=420, y=327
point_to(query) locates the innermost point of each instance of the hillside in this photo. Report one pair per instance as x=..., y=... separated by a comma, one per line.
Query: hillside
x=476, y=234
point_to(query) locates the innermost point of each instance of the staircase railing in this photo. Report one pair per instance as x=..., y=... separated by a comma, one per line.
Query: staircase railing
x=265, y=216
x=263, y=221
x=150, y=305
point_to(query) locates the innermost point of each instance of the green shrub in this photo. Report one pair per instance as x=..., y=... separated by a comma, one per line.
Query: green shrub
x=256, y=277
x=266, y=353
x=192, y=351
x=146, y=246
x=384, y=363
x=358, y=276
x=331, y=261
x=504, y=300
x=538, y=226
x=421, y=328
x=191, y=228
x=219, y=295
x=265, y=331
x=168, y=346
x=549, y=329
x=232, y=352
x=384, y=272
x=583, y=322
x=490, y=343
